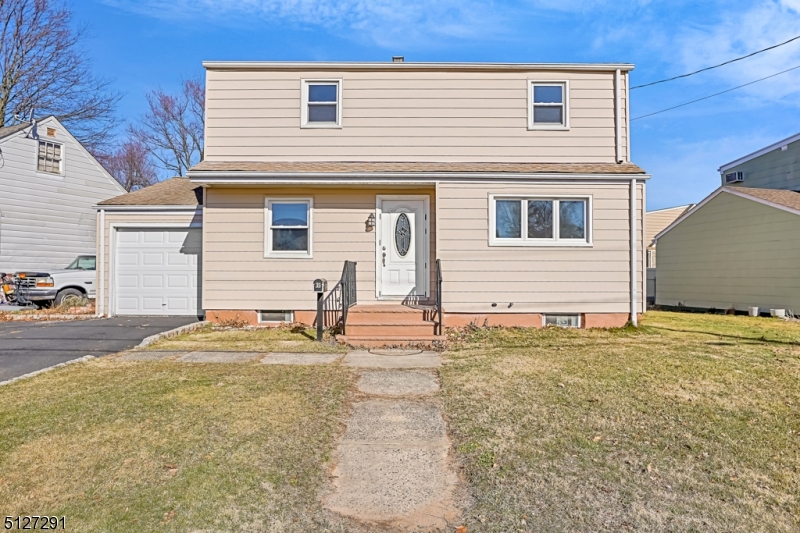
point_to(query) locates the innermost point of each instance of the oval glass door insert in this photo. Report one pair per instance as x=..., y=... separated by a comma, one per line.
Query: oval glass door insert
x=402, y=234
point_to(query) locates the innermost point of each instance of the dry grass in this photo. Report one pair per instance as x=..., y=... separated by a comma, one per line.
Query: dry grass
x=286, y=339
x=691, y=423
x=170, y=447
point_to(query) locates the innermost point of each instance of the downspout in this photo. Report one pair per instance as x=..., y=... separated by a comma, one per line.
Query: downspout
x=634, y=314
x=617, y=116
x=101, y=290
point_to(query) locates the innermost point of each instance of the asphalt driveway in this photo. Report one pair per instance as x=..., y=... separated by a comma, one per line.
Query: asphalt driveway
x=29, y=346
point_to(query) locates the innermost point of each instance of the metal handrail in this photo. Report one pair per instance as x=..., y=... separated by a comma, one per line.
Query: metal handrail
x=342, y=297
x=438, y=297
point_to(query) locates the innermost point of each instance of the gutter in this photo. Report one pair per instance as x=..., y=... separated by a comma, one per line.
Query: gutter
x=380, y=178
x=154, y=208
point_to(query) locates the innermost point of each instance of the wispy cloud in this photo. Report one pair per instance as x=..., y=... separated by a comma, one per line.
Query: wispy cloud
x=387, y=23
x=740, y=32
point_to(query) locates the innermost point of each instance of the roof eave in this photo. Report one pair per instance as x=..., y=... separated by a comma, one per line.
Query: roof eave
x=245, y=178
x=759, y=153
x=322, y=65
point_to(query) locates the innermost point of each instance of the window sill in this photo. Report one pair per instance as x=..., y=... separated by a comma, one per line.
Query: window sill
x=547, y=128
x=321, y=126
x=534, y=244
x=287, y=255
x=49, y=174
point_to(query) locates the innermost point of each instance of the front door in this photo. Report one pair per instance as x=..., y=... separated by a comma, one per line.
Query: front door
x=402, y=248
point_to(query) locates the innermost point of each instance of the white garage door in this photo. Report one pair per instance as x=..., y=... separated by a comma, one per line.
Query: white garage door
x=157, y=271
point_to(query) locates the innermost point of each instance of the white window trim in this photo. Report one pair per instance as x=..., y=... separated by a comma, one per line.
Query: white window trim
x=304, y=123
x=268, y=252
x=557, y=127
x=61, y=165
x=554, y=242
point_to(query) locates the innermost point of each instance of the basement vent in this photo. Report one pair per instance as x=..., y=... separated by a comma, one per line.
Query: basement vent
x=734, y=177
x=563, y=321
x=275, y=316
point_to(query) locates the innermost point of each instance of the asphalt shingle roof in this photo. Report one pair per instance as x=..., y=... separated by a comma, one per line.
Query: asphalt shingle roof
x=11, y=130
x=174, y=191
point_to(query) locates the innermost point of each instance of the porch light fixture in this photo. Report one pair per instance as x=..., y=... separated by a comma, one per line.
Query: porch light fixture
x=370, y=223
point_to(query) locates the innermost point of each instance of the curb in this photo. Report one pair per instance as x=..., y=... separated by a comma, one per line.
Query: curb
x=49, y=368
x=172, y=333
x=41, y=318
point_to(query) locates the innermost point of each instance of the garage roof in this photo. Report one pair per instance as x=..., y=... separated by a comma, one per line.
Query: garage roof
x=174, y=191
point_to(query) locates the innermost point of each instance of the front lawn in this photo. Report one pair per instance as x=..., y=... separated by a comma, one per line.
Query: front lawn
x=691, y=423
x=283, y=339
x=171, y=447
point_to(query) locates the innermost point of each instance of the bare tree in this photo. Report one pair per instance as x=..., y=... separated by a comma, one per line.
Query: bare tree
x=130, y=165
x=43, y=67
x=172, y=129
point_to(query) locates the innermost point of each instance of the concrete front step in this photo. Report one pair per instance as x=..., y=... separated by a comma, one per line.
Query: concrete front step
x=392, y=329
x=390, y=341
x=376, y=314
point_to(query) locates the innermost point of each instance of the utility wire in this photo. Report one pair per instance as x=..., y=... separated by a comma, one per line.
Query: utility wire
x=716, y=94
x=716, y=66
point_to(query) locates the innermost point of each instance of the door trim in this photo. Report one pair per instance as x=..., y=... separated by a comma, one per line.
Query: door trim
x=114, y=227
x=426, y=209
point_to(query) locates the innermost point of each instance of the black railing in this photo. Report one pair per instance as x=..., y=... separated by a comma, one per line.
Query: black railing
x=438, y=297
x=342, y=297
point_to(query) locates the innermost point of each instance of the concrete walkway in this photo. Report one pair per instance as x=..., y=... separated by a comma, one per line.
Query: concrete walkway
x=392, y=462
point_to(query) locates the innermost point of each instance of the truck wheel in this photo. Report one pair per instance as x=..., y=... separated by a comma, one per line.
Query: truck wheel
x=66, y=295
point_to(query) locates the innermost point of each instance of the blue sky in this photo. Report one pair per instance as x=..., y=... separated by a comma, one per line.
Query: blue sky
x=146, y=44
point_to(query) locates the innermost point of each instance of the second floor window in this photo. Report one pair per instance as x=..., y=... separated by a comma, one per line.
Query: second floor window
x=322, y=103
x=549, y=108
x=49, y=159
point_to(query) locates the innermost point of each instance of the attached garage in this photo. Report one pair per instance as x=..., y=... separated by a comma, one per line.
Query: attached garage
x=151, y=242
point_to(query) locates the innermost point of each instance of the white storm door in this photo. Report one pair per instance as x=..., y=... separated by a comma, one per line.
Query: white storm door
x=157, y=271
x=402, y=248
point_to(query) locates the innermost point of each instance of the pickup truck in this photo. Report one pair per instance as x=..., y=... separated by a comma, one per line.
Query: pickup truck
x=56, y=286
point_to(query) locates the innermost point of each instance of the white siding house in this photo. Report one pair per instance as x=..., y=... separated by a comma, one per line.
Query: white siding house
x=48, y=187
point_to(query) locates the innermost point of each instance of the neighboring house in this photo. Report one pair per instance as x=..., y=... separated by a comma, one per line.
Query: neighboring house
x=151, y=239
x=655, y=223
x=514, y=178
x=48, y=185
x=738, y=247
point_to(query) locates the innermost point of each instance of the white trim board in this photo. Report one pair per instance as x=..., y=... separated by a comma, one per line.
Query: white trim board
x=323, y=65
x=758, y=153
x=716, y=193
x=400, y=178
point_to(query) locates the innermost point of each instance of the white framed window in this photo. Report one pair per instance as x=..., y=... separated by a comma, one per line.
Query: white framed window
x=50, y=157
x=540, y=221
x=548, y=105
x=322, y=104
x=651, y=258
x=288, y=223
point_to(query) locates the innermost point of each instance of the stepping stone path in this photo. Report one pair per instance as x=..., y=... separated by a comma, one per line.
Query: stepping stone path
x=392, y=461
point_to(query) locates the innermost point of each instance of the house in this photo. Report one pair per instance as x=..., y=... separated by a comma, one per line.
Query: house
x=738, y=247
x=512, y=183
x=48, y=185
x=656, y=221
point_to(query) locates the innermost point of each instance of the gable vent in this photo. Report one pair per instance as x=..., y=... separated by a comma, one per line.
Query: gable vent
x=734, y=177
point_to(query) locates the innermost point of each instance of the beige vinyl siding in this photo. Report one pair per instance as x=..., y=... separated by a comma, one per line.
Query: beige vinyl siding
x=777, y=169
x=236, y=275
x=543, y=279
x=409, y=116
x=657, y=221
x=732, y=252
x=133, y=219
